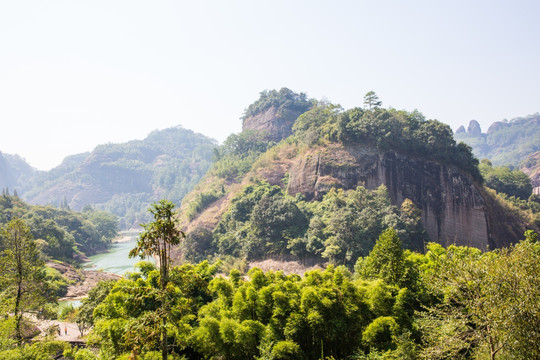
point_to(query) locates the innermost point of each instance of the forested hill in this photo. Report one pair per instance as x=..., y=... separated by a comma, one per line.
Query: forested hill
x=60, y=234
x=505, y=142
x=126, y=178
x=335, y=179
x=13, y=171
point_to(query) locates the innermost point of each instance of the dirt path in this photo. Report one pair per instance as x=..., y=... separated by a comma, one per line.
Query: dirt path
x=73, y=333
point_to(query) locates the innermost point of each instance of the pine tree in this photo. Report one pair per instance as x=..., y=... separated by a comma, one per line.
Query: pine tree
x=372, y=100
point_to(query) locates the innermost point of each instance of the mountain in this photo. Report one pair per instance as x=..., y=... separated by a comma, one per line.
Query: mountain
x=327, y=186
x=126, y=178
x=13, y=169
x=506, y=142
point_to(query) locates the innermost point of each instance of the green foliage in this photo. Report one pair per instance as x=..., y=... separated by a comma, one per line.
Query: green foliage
x=79, y=354
x=488, y=302
x=22, y=284
x=238, y=153
x=262, y=220
x=198, y=245
x=283, y=100
x=85, y=313
x=156, y=240
x=57, y=283
x=502, y=179
x=408, y=132
x=371, y=100
x=461, y=304
x=61, y=234
x=318, y=123
x=45, y=350
x=130, y=316
x=201, y=202
x=386, y=261
x=300, y=318
x=379, y=334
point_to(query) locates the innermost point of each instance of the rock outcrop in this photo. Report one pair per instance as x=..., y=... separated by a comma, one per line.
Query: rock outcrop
x=274, y=124
x=474, y=129
x=454, y=208
x=461, y=130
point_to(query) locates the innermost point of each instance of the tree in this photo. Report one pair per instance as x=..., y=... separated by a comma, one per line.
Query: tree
x=156, y=240
x=85, y=313
x=372, y=100
x=386, y=260
x=23, y=273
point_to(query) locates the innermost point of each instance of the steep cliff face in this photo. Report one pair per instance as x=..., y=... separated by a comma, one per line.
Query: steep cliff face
x=274, y=124
x=454, y=208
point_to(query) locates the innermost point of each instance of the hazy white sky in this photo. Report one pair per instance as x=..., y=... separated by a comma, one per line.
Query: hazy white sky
x=75, y=74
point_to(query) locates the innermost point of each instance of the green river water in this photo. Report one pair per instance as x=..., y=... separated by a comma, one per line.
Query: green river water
x=115, y=260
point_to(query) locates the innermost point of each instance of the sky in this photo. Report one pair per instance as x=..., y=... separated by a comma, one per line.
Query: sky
x=76, y=74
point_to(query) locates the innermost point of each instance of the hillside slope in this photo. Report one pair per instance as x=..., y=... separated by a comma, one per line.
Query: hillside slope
x=13, y=170
x=293, y=186
x=126, y=178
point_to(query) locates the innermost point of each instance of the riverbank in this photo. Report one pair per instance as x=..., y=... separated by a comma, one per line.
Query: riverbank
x=83, y=280
x=110, y=264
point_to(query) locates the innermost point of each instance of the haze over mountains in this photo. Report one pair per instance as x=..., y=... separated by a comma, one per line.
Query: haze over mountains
x=506, y=142
x=121, y=178
x=125, y=178
x=323, y=184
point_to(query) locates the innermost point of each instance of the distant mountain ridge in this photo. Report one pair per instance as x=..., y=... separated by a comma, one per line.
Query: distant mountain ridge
x=506, y=142
x=124, y=178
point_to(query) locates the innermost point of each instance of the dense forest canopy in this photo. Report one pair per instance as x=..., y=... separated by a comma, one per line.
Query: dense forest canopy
x=454, y=303
x=60, y=233
x=265, y=222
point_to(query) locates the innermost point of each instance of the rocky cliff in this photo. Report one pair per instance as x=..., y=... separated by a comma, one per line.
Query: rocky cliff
x=454, y=207
x=274, y=124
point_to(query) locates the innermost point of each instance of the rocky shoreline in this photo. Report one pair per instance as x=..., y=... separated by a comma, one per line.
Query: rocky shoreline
x=83, y=280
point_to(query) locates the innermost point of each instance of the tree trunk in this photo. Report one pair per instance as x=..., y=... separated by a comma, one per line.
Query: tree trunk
x=164, y=340
x=17, y=310
x=164, y=280
x=17, y=315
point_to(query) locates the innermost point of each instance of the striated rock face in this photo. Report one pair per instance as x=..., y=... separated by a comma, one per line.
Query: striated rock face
x=276, y=125
x=454, y=209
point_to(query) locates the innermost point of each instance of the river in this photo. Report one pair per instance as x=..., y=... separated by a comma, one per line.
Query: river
x=116, y=260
